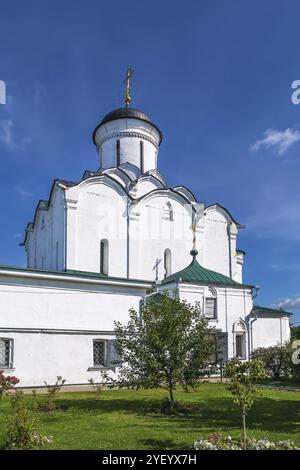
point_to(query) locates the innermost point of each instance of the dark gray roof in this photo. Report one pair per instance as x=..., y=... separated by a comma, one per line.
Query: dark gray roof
x=124, y=113
x=267, y=310
x=74, y=273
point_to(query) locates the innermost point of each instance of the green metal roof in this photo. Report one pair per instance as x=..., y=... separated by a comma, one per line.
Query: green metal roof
x=267, y=310
x=196, y=274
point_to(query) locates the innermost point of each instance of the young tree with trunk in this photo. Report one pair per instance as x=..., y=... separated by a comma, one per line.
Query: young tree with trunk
x=243, y=377
x=167, y=344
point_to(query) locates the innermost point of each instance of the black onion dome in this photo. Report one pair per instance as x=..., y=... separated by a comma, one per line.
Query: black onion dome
x=124, y=113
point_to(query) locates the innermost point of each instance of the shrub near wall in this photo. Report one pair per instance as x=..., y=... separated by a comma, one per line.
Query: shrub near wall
x=277, y=360
x=7, y=382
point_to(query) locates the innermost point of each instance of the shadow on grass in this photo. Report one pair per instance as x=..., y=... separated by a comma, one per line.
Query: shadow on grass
x=158, y=444
x=215, y=413
x=107, y=405
x=270, y=415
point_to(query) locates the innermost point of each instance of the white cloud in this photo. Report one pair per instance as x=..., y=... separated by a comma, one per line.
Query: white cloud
x=6, y=132
x=281, y=141
x=23, y=192
x=286, y=304
x=283, y=267
x=7, y=136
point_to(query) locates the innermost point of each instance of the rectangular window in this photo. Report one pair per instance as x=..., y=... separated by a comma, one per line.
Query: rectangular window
x=5, y=353
x=210, y=308
x=99, y=353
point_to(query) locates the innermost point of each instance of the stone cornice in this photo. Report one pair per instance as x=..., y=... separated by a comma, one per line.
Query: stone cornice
x=76, y=278
x=62, y=331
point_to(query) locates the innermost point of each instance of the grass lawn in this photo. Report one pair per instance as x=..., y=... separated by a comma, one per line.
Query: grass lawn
x=118, y=419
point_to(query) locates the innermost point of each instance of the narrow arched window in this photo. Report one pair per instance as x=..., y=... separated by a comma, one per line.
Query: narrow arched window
x=142, y=156
x=168, y=211
x=104, y=257
x=118, y=153
x=56, y=255
x=239, y=338
x=168, y=262
x=240, y=345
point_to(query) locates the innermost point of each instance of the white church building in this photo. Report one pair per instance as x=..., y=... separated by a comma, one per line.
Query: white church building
x=95, y=248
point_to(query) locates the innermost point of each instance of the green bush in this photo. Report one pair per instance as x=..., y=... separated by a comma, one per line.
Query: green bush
x=21, y=427
x=277, y=360
x=7, y=383
x=52, y=392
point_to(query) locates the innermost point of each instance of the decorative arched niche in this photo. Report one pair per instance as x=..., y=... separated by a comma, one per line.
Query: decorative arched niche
x=239, y=331
x=168, y=213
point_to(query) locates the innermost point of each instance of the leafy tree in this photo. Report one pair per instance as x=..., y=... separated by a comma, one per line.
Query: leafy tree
x=243, y=376
x=166, y=344
x=295, y=332
x=295, y=348
x=277, y=360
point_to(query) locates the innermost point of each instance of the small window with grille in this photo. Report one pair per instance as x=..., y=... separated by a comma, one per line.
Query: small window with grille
x=99, y=353
x=5, y=353
x=211, y=307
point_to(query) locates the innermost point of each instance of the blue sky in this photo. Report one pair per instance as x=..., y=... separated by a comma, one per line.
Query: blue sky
x=215, y=76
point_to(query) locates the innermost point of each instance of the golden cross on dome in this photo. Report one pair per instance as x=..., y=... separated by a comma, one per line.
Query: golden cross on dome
x=127, y=88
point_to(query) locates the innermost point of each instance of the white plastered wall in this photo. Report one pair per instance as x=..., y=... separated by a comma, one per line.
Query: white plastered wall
x=53, y=323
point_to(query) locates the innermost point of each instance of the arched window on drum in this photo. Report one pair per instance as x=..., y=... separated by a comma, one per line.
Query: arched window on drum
x=104, y=257
x=168, y=262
